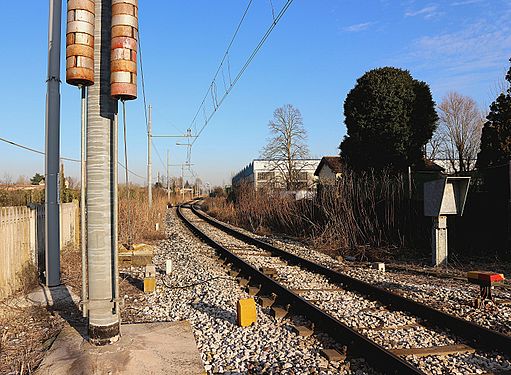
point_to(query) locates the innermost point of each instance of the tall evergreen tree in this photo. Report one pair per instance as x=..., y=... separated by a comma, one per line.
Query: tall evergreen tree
x=496, y=135
x=389, y=117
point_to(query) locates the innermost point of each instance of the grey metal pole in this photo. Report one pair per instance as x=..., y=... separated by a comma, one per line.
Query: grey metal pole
x=115, y=213
x=83, y=235
x=103, y=324
x=52, y=147
x=168, y=176
x=149, y=162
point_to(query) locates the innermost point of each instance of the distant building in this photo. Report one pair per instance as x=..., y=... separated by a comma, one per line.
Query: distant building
x=264, y=173
x=329, y=169
x=429, y=166
x=450, y=165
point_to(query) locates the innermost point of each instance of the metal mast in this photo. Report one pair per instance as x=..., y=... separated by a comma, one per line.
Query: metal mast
x=168, y=176
x=149, y=161
x=52, y=147
x=103, y=325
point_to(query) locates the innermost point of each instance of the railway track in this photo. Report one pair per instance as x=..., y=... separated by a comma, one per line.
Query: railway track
x=328, y=299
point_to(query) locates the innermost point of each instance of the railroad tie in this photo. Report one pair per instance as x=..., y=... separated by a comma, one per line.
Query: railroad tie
x=434, y=350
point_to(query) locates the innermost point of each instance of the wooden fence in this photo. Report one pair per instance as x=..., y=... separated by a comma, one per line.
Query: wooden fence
x=22, y=242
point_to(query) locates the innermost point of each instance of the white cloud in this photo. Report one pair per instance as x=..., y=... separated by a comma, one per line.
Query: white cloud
x=468, y=56
x=357, y=27
x=426, y=12
x=465, y=2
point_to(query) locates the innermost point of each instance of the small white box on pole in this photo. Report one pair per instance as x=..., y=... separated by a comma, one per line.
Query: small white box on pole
x=168, y=266
x=443, y=197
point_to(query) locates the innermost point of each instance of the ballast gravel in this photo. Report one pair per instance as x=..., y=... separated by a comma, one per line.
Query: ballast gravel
x=452, y=296
x=199, y=290
x=393, y=331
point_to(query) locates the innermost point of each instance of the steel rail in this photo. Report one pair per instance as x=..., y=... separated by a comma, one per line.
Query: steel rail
x=378, y=357
x=478, y=337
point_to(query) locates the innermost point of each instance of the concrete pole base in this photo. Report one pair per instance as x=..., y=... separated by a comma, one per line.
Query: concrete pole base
x=103, y=335
x=439, y=241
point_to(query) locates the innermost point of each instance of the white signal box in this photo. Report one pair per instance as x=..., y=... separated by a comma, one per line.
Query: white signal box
x=443, y=197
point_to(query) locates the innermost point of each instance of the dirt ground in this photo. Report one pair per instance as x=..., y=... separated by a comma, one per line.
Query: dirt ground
x=25, y=334
x=27, y=331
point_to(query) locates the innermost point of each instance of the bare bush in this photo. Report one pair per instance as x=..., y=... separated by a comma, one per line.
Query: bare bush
x=362, y=211
x=137, y=223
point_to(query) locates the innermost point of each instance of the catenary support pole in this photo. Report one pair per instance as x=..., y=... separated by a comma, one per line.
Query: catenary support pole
x=103, y=324
x=149, y=161
x=52, y=147
x=168, y=176
x=115, y=203
x=83, y=235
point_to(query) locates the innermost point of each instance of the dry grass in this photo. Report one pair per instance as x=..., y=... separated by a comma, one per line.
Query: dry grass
x=25, y=334
x=137, y=223
x=365, y=214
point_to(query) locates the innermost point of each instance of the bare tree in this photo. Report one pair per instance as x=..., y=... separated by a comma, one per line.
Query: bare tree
x=22, y=180
x=435, y=146
x=287, y=144
x=461, y=122
x=7, y=179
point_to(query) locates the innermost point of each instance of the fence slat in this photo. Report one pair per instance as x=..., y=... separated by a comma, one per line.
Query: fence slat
x=22, y=239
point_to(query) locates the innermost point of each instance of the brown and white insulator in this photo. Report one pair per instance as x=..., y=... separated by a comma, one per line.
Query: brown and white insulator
x=124, y=49
x=80, y=42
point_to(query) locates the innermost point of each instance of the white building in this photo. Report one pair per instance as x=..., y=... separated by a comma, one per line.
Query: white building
x=271, y=173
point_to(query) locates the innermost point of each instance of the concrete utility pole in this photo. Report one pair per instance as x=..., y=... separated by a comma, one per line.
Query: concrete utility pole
x=149, y=162
x=103, y=312
x=52, y=147
x=168, y=176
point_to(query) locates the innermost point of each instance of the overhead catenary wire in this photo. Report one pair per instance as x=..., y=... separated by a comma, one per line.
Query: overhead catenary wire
x=226, y=54
x=276, y=20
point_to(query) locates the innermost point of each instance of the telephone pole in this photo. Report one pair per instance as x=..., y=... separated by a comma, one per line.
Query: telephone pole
x=149, y=162
x=52, y=147
x=168, y=176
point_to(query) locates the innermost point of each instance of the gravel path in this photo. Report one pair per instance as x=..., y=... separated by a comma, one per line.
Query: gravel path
x=200, y=291
x=390, y=329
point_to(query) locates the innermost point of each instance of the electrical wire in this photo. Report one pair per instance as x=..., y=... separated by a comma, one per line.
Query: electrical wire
x=62, y=158
x=244, y=68
x=158, y=154
x=222, y=62
x=196, y=283
x=126, y=173
x=143, y=80
x=33, y=150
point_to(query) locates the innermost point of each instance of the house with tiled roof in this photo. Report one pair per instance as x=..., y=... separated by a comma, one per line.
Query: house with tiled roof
x=330, y=169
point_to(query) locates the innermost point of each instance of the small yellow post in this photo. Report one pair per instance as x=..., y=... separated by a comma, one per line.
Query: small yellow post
x=247, y=313
x=149, y=284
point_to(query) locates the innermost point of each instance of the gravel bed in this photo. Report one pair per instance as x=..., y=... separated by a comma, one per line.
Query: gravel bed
x=452, y=296
x=365, y=315
x=200, y=291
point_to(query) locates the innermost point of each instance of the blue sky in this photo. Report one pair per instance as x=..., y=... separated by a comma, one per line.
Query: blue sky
x=311, y=60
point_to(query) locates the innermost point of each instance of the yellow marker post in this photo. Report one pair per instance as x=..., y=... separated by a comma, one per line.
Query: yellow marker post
x=149, y=284
x=247, y=313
